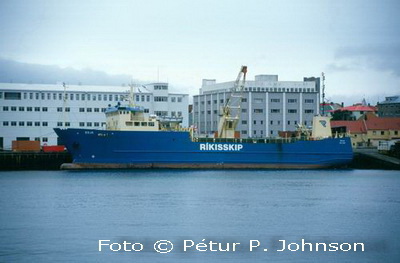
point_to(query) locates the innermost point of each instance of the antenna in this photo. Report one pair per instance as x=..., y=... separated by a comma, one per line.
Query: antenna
x=64, y=104
x=323, y=94
x=131, y=94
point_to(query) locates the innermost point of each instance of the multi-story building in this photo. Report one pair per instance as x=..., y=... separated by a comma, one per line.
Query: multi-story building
x=31, y=111
x=268, y=105
x=390, y=107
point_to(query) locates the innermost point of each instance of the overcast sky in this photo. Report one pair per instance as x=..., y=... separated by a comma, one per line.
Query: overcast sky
x=355, y=42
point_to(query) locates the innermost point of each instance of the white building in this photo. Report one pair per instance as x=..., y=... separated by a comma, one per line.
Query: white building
x=31, y=111
x=268, y=105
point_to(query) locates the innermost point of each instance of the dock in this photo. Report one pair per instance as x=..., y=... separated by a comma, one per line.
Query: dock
x=11, y=161
x=373, y=159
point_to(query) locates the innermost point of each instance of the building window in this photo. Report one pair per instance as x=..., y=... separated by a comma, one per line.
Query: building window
x=67, y=124
x=31, y=96
x=179, y=99
x=244, y=110
x=67, y=109
x=81, y=124
x=44, y=139
x=96, y=124
x=96, y=109
x=292, y=100
x=88, y=96
x=81, y=109
x=42, y=96
x=99, y=96
x=89, y=124
x=258, y=100
x=382, y=132
x=29, y=123
x=37, y=95
x=37, y=123
x=275, y=100
x=13, y=123
x=44, y=109
x=13, y=108
x=143, y=98
x=5, y=108
x=243, y=132
x=5, y=123
x=103, y=109
x=292, y=111
x=275, y=110
x=272, y=122
x=37, y=108
x=59, y=109
x=45, y=124
x=258, y=111
x=54, y=96
x=105, y=97
x=309, y=101
x=83, y=96
x=244, y=122
x=173, y=99
x=12, y=95
x=110, y=97
x=161, y=99
x=59, y=124
x=288, y=122
x=308, y=111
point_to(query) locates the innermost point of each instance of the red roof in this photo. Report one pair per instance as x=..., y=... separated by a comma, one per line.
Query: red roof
x=359, y=108
x=351, y=126
x=383, y=123
x=361, y=126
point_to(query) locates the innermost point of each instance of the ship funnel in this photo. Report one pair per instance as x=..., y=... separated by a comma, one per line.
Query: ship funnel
x=321, y=127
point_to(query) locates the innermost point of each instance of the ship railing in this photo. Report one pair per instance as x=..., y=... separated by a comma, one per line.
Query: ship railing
x=248, y=140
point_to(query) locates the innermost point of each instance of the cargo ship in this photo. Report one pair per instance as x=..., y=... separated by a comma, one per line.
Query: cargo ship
x=134, y=139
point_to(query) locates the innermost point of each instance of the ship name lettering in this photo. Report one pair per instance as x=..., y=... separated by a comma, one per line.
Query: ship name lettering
x=220, y=147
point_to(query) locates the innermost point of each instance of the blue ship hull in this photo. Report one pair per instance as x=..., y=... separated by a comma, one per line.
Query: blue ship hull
x=171, y=149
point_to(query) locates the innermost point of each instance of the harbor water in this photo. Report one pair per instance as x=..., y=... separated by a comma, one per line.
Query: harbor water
x=63, y=216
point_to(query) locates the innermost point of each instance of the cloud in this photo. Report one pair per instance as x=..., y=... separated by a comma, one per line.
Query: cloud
x=379, y=58
x=18, y=72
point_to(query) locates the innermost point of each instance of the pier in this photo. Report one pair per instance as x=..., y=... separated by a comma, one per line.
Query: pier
x=372, y=159
x=33, y=160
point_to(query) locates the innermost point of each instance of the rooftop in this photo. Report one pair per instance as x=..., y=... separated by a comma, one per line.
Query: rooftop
x=362, y=126
x=391, y=99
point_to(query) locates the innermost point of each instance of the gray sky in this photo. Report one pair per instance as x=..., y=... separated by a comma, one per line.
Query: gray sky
x=356, y=43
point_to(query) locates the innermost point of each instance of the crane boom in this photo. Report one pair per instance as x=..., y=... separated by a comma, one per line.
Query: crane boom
x=230, y=113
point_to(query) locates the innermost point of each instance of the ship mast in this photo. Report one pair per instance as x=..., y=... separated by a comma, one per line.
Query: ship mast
x=229, y=121
x=64, y=105
x=323, y=94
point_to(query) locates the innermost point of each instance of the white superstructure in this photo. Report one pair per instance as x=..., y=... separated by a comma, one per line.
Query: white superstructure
x=31, y=111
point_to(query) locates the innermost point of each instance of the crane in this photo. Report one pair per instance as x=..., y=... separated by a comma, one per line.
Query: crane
x=231, y=110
